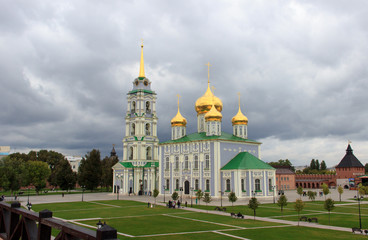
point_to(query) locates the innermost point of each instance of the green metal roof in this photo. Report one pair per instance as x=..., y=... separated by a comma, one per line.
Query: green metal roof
x=245, y=160
x=202, y=136
x=147, y=165
x=141, y=90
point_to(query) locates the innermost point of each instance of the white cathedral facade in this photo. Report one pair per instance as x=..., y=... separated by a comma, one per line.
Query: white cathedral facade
x=209, y=159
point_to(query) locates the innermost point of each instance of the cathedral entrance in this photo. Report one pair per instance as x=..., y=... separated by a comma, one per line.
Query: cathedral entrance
x=186, y=187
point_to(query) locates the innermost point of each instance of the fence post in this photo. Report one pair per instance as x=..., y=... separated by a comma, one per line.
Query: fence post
x=44, y=232
x=106, y=232
x=14, y=218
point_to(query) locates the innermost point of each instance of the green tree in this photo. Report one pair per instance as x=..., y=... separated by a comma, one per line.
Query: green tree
x=299, y=205
x=37, y=174
x=312, y=195
x=175, y=196
x=366, y=168
x=253, y=204
x=282, y=202
x=325, y=189
x=12, y=171
x=340, y=191
x=207, y=198
x=232, y=197
x=199, y=195
x=317, y=164
x=362, y=190
x=323, y=165
x=155, y=194
x=329, y=206
x=283, y=163
x=89, y=172
x=312, y=164
x=107, y=172
x=299, y=190
x=65, y=178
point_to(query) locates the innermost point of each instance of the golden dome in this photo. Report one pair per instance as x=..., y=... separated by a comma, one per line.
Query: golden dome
x=213, y=115
x=239, y=118
x=178, y=120
x=204, y=103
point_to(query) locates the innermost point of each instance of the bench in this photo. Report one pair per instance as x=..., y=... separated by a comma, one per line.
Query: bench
x=314, y=219
x=303, y=218
x=354, y=230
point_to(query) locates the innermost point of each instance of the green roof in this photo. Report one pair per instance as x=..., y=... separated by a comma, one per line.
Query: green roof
x=141, y=90
x=202, y=136
x=245, y=160
x=147, y=165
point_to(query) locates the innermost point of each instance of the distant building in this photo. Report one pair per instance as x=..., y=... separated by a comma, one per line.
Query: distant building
x=285, y=178
x=4, y=151
x=74, y=162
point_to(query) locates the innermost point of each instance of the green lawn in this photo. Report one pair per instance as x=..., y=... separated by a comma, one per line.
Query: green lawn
x=135, y=219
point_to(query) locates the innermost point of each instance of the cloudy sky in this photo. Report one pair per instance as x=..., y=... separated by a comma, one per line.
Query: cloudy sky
x=301, y=68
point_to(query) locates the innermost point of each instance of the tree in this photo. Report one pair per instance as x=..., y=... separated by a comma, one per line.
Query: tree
x=340, y=190
x=107, y=172
x=253, y=204
x=329, y=206
x=317, y=164
x=283, y=163
x=325, y=189
x=232, y=197
x=323, y=165
x=37, y=174
x=312, y=195
x=366, y=168
x=155, y=194
x=65, y=178
x=175, y=196
x=299, y=190
x=362, y=190
x=199, y=195
x=13, y=171
x=207, y=198
x=282, y=202
x=89, y=172
x=299, y=205
x=312, y=164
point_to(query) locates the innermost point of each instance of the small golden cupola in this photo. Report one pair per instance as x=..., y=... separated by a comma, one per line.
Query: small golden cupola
x=240, y=123
x=178, y=125
x=213, y=115
x=178, y=120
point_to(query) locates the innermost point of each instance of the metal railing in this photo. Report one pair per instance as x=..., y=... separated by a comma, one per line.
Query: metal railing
x=19, y=223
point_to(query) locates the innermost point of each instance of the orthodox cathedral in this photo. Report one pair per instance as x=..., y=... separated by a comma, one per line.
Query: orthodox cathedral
x=209, y=159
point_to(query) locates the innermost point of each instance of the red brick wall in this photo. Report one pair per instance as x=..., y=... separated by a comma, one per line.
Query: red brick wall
x=285, y=181
x=349, y=172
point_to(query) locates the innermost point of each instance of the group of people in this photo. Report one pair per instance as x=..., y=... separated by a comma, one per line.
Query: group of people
x=173, y=204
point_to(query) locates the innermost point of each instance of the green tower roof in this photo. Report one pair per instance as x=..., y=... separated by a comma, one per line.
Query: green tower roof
x=245, y=160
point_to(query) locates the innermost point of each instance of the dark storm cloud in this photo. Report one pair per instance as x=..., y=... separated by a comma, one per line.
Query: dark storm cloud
x=300, y=68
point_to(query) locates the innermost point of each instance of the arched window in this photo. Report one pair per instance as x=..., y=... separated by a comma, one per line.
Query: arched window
x=145, y=185
x=182, y=132
x=228, y=185
x=148, y=108
x=177, y=185
x=132, y=129
x=270, y=184
x=149, y=153
x=131, y=153
x=207, y=161
x=236, y=131
x=242, y=185
x=133, y=107
x=196, y=162
x=167, y=163
x=167, y=184
x=186, y=162
x=207, y=185
x=176, y=162
x=258, y=184
x=148, y=129
x=196, y=187
x=240, y=131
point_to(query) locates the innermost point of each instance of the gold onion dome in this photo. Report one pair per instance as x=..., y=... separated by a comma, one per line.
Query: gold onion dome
x=213, y=115
x=178, y=120
x=204, y=103
x=239, y=118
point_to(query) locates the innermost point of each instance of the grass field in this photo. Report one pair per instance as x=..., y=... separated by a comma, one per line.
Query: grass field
x=134, y=219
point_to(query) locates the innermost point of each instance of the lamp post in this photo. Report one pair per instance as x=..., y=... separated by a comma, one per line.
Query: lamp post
x=360, y=220
x=83, y=188
x=163, y=186
x=191, y=197
x=99, y=224
x=28, y=197
x=221, y=192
